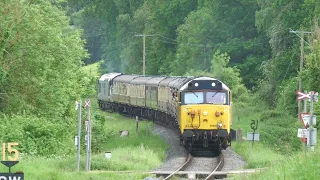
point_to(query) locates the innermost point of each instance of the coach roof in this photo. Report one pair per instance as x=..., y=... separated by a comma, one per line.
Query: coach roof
x=125, y=78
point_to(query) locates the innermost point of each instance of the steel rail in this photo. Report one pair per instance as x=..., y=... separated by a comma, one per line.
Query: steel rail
x=182, y=167
x=218, y=167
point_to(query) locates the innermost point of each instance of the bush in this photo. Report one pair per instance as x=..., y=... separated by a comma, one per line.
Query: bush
x=37, y=135
x=287, y=97
x=279, y=131
x=265, y=115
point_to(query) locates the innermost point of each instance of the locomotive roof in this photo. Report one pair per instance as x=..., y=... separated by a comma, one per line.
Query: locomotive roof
x=108, y=76
x=180, y=81
x=206, y=80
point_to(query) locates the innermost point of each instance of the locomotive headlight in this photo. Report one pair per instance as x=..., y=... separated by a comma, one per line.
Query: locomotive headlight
x=219, y=125
x=205, y=113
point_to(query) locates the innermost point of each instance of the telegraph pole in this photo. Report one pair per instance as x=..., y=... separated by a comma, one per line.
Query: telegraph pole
x=144, y=51
x=301, y=60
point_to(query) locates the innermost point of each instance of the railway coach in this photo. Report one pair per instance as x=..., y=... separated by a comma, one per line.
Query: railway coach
x=199, y=107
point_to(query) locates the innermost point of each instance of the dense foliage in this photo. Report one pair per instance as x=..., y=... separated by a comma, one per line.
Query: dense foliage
x=245, y=43
x=249, y=44
x=40, y=77
x=184, y=35
x=40, y=59
x=37, y=135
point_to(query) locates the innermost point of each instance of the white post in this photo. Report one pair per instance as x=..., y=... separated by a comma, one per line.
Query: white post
x=79, y=134
x=90, y=130
x=88, y=147
x=309, y=142
x=305, y=104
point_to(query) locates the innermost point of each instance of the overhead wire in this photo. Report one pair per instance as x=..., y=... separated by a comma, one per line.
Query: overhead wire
x=175, y=42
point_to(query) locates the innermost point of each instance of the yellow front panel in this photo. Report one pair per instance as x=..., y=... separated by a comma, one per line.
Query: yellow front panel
x=205, y=116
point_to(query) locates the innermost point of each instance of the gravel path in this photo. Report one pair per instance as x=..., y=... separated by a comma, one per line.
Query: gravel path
x=177, y=154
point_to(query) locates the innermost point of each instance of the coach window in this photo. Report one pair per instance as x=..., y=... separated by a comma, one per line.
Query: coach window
x=216, y=98
x=153, y=93
x=133, y=91
x=128, y=89
x=160, y=93
x=140, y=91
x=116, y=89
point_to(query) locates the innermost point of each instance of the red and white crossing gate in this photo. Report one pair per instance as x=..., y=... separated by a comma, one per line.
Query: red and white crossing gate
x=87, y=103
x=302, y=95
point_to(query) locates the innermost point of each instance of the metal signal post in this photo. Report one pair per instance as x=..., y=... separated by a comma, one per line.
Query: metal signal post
x=88, y=135
x=254, y=127
x=309, y=120
x=312, y=135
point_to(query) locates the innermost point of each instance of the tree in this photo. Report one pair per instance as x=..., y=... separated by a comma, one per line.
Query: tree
x=226, y=25
x=229, y=75
x=40, y=57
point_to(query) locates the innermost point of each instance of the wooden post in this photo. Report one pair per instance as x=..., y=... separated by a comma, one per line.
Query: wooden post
x=239, y=134
x=147, y=130
x=137, y=124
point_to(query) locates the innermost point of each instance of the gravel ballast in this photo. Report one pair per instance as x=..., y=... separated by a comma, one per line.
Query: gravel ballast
x=177, y=154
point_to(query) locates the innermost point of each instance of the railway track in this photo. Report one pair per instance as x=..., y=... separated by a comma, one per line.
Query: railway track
x=182, y=170
x=218, y=167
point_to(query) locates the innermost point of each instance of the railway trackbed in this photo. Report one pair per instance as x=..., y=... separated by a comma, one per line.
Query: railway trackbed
x=191, y=163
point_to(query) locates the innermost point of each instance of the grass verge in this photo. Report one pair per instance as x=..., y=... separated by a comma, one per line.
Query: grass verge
x=139, y=152
x=302, y=165
x=279, y=149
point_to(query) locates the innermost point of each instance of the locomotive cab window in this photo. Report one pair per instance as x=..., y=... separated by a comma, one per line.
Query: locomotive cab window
x=217, y=97
x=193, y=97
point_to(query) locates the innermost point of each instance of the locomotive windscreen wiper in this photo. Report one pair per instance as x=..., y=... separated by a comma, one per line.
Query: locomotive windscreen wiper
x=214, y=94
x=195, y=94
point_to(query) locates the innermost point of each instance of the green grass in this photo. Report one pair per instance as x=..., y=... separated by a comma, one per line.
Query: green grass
x=64, y=168
x=242, y=116
x=279, y=150
x=302, y=165
x=256, y=155
x=139, y=151
x=135, y=139
x=38, y=168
